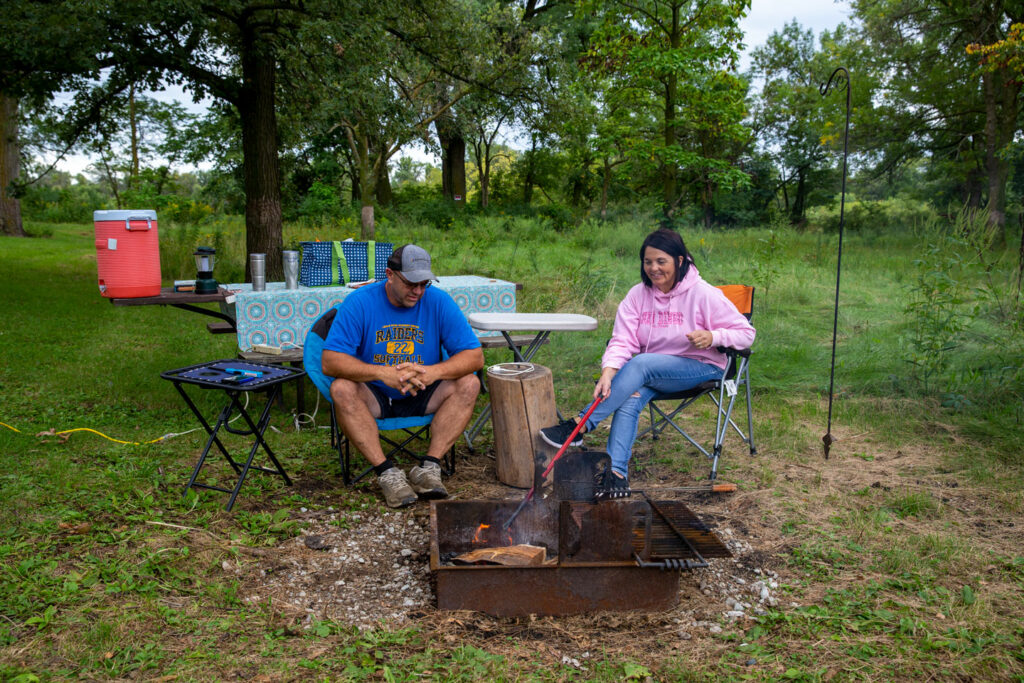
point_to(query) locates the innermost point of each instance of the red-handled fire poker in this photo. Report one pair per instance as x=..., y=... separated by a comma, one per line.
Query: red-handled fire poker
x=547, y=470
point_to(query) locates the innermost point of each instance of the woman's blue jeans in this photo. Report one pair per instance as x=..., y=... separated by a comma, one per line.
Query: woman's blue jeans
x=643, y=377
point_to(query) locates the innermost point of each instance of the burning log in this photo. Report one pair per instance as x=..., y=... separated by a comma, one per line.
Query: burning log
x=522, y=555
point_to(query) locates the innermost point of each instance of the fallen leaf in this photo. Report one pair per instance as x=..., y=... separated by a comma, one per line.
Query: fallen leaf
x=52, y=432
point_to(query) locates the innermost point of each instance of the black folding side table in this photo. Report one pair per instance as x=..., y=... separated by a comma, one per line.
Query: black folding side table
x=234, y=377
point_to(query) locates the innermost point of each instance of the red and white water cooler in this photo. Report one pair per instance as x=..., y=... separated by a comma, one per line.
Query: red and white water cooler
x=127, y=253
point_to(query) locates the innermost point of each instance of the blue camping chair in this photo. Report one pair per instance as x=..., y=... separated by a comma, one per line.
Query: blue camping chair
x=411, y=428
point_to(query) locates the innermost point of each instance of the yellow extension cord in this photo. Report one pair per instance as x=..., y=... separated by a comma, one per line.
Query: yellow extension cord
x=86, y=429
x=130, y=443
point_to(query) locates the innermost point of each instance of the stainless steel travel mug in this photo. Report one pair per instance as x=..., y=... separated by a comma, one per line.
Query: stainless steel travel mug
x=291, y=269
x=258, y=270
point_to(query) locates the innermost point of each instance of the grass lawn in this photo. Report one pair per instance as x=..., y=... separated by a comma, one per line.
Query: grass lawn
x=900, y=557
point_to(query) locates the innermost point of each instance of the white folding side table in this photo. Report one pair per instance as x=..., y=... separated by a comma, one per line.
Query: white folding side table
x=507, y=323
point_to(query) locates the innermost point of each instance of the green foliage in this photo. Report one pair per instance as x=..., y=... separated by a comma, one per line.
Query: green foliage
x=935, y=311
x=58, y=200
x=440, y=214
x=766, y=257
x=963, y=290
x=268, y=528
x=321, y=202
x=668, y=59
x=559, y=218
x=885, y=216
x=914, y=504
x=179, y=242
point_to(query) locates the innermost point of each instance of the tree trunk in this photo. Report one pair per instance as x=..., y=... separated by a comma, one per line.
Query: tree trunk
x=133, y=176
x=579, y=183
x=1001, y=108
x=353, y=174
x=670, y=182
x=383, y=185
x=161, y=179
x=482, y=157
x=485, y=183
x=973, y=188
x=367, y=185
x=529, y=179
x=453, y=160
x=453, y=167
x=709, y=210
x=669, y=174
x=263, y=230
x=796, y=216
x=457, y=165
x=606, y=182
x=10, y=168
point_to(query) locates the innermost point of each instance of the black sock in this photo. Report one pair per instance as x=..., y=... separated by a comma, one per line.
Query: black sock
x=383, y=467
x=427, y=458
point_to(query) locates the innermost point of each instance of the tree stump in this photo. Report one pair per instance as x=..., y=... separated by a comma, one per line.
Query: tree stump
x=523, y=401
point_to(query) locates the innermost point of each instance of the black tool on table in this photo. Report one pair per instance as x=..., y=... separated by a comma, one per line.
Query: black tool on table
x=234, y=377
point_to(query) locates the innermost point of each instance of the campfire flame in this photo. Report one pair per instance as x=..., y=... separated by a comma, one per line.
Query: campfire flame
x=479, y=538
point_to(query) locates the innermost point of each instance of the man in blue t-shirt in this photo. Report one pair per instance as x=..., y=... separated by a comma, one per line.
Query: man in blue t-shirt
x=385, y=352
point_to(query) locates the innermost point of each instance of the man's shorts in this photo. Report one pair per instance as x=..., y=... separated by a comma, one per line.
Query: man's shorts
x=410, y=406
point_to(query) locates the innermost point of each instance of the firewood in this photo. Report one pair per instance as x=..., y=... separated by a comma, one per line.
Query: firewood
x=522, y=555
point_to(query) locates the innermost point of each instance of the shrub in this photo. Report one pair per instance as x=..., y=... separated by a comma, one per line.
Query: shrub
x=560, y=218
x=440, y=214
x=69, y=204
x=884, y=215
x=321, y=201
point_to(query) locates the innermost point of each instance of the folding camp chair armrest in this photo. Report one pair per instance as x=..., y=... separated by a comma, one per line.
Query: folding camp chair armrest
x=744, y=353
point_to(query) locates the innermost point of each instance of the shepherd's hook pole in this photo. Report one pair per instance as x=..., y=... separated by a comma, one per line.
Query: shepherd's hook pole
x=827, y=440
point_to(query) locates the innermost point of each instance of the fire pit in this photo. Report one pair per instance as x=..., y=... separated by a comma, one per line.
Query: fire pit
x=614, y=555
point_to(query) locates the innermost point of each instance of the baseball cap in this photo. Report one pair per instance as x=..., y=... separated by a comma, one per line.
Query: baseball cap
x=412, y=262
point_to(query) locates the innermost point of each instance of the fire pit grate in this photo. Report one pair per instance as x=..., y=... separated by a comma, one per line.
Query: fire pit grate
x=604, y=556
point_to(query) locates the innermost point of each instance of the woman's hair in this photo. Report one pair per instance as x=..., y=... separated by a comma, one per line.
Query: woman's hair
x=671, y=243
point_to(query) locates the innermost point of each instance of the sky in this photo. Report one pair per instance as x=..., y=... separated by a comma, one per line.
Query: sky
x=765, y=17
x=768, y=16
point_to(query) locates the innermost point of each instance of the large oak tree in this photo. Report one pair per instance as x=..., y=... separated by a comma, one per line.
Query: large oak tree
x=936, y=98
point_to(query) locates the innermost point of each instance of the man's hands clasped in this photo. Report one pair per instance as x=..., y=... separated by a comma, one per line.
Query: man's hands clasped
x=409, y=378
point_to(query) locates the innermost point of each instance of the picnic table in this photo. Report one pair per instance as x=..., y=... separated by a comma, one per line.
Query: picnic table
x=280, y=317
x=189, y=301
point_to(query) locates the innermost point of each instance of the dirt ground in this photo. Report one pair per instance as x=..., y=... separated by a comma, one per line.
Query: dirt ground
x=370, y=569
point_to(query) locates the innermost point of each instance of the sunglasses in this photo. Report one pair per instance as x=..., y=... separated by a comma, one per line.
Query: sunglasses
x=412, y=285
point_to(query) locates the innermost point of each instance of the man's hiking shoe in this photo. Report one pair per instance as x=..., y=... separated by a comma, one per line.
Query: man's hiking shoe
x=559, y=434
x=426, y=480
x=610, y=485
x=397, y=492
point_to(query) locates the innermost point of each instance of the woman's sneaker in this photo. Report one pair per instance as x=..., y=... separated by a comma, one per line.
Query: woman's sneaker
x=560, y=433
x=426, y=480
x=397, y=492
x=611, y=485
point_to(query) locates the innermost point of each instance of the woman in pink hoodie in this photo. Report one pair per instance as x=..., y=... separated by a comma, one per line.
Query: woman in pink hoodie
x=664, y=340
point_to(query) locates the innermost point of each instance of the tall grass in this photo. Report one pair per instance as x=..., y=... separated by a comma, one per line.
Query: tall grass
x=891, y=343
